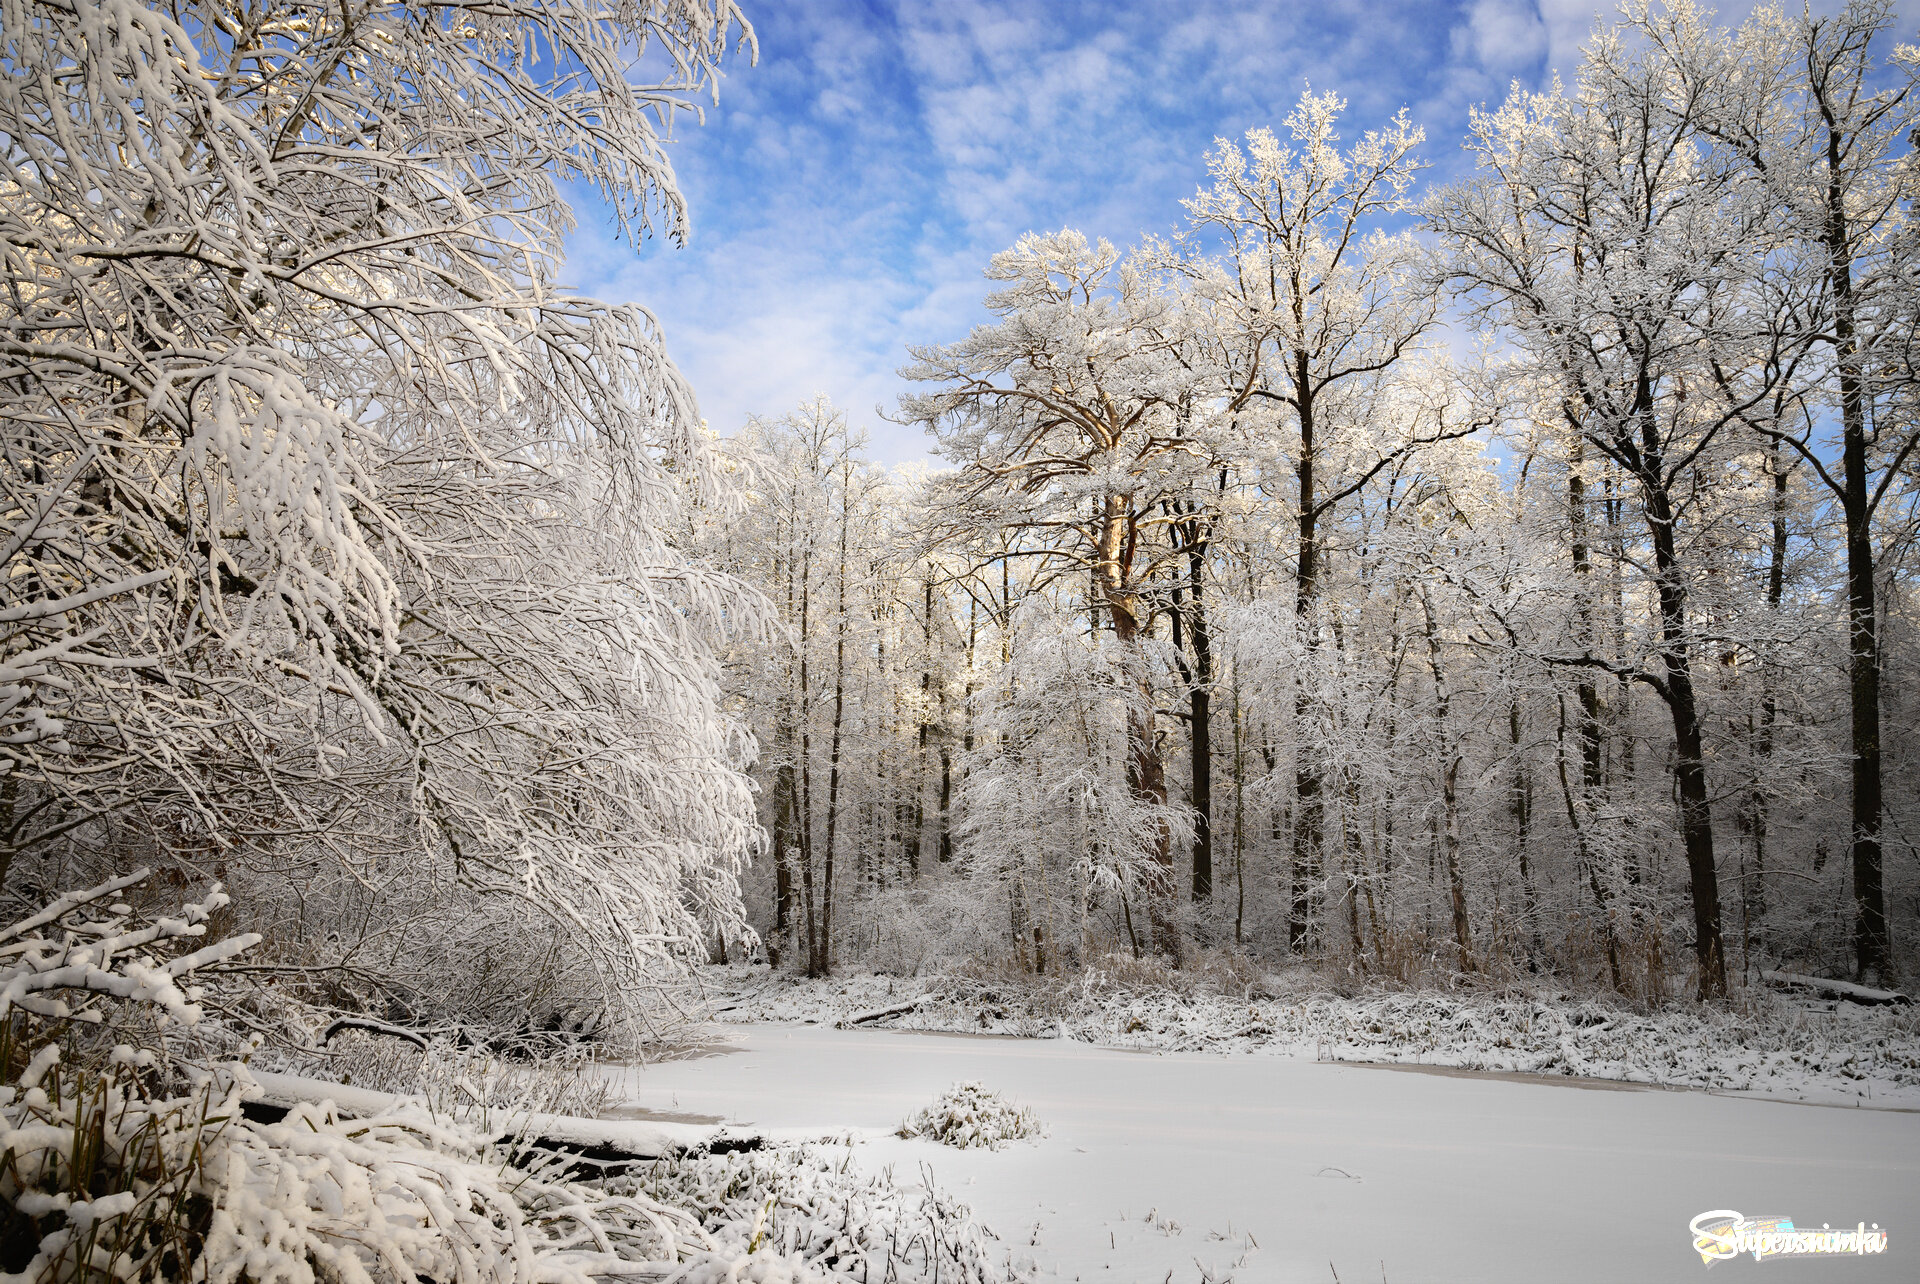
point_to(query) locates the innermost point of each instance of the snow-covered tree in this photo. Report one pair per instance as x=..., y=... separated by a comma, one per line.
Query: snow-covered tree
x=1050, y=816
x=1072, y=425
x=1609, y=235
x=1822, y=127
x=1310, y=309
x=336, y=528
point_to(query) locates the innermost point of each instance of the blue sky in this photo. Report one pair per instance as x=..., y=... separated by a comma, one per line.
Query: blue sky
x=848, y=190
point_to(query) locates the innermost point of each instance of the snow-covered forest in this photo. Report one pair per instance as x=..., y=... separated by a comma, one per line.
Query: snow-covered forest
x=1508, y=578
x=1360, y=588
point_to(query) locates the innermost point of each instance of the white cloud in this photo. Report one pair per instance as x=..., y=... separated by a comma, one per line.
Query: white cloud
x=1507, y=35
x=758, y=327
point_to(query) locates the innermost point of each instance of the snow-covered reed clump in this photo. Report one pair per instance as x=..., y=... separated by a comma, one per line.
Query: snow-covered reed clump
x=969, y=1115
x=814, y=1208
x=471, y=1083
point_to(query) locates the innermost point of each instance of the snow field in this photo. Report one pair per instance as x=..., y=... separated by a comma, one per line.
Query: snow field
x=1273, y=1169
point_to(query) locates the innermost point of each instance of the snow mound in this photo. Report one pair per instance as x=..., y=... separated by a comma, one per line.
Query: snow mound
x=968, y=1115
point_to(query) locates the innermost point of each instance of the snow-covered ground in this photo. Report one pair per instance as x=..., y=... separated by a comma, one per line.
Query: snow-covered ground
x=1774, y=1045
x=1197, y=1166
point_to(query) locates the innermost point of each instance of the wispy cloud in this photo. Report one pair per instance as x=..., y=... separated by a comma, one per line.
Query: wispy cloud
x=847, y=191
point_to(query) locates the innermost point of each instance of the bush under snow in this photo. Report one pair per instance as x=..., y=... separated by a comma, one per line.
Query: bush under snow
x=125, y=1154
x=969, y=1115
x=815, y=1209
x=124, y=1158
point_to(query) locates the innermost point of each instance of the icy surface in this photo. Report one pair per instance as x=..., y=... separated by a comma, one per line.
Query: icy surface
x=1190, y=1163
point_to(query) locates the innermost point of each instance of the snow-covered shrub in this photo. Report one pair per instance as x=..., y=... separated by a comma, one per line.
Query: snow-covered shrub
x=122, y=1157
x=471, y=970
x=813, y=1207
x=106, y=1178
x=910, y=931
x=1048, y=814
x=969, y=1115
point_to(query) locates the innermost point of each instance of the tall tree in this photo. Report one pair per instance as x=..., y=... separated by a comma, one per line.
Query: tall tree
x=1064, y=418
x=1610, y=237
x=1311, y=306
x=1824, y=125
x=331, y=511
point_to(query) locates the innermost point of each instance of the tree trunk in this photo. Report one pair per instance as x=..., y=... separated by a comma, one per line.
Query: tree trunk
x=1689, y=765
x=1592, y=740
x=833, y=754
x=1872, y=942
x=805, y=801
x=784, y=805
x=1199, y=700
x=946, y=755
x=1239, y=817
x=1770, y=696
x=783, y=850
x=1146, y=777
x=1449, y=791
x=1576, y=821
x=1352, y=853
x=1307, y=774
x=946, y=802
x=1520, y=808
x=926, y=727
x=1625, y=772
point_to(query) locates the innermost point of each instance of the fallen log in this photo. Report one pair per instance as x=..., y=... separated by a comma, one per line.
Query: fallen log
x=1836, y=989
x=879, y=1014
x=592, y=1147
x=742, y=1000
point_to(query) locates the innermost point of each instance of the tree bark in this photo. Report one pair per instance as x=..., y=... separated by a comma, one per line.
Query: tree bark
x=1872, y=942
x=1689, y=767
x=1239, y=817
x=1520, y=808
x=805, y=801
x=1592, y=740
x=784, y=804
x=783, y=851
x=1307, y=775
x=1770, y=697
x=926, y=728
x=1449, y=791
x=1199, y=702
x=1576, y=821
x=833, y=757
x=1146, y=776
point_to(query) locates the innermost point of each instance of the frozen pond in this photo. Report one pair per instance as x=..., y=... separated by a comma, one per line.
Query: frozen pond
x=1190, y=1163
